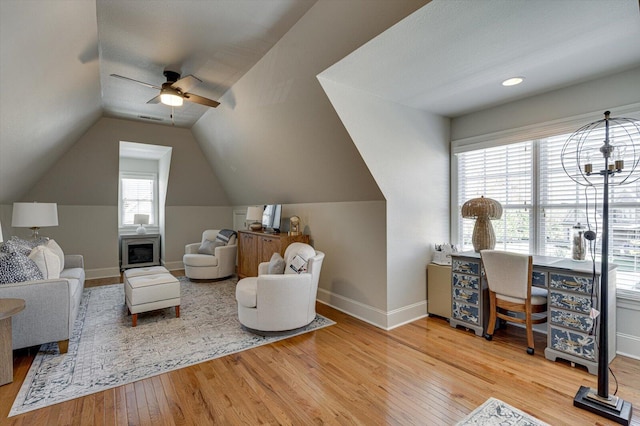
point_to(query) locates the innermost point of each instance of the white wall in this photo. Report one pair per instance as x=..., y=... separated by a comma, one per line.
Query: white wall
x=611, y=93
x=599, y=95
x=407, y=151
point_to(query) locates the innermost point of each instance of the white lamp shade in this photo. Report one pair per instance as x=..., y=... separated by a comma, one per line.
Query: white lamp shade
x=141, y=219
x=254, y=213
x=1, y=240
x=32, y=215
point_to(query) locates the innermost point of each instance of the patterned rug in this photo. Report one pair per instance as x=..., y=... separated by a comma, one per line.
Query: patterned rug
x=496, y=412
x=105, y=351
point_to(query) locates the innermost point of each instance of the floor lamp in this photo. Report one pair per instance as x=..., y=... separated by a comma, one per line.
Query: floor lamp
x=590, y=162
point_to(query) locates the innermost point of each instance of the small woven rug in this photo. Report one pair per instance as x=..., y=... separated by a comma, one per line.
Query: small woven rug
x=105, y=351
x=496, y=412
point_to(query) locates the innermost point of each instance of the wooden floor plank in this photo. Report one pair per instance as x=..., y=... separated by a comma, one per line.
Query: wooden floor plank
x=425, y=372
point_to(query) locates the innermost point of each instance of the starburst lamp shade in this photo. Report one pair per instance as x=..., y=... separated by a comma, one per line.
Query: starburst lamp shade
x=483, y=210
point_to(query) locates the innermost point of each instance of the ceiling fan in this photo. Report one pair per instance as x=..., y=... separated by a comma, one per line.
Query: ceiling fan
x=175, y=90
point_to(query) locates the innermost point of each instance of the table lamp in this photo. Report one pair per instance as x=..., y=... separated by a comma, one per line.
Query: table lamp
x=141, y=220
x=254, y=215
x=482, y=209
x=34, y=216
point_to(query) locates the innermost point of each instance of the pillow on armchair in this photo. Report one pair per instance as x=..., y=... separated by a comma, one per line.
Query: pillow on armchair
x=209, y=247
x=276, y=264
x=296, y=263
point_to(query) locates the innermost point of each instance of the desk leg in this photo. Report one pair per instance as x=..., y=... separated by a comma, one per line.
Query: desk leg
x=6, y=352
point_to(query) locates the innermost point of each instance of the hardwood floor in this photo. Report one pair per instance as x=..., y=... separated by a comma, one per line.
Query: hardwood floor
x=423, y=373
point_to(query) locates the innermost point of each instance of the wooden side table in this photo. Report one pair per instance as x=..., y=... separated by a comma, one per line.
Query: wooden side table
x=8, y=308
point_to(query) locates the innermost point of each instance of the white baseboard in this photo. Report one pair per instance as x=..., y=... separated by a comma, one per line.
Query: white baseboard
x=374, y=316
x=102, y=273
x=628, y=345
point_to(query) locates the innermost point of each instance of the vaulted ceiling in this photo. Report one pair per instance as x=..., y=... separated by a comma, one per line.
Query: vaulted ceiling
x=447, y=58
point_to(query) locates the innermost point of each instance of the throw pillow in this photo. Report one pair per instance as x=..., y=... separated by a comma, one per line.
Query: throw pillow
x=47, y=261
x=17, y=244
x=276, y=264
x=297, y=261
x=298, y=265
x=16, y=267
x=209, y=247
x=54, y=247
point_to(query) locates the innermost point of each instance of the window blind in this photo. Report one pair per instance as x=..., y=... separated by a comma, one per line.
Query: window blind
x=541, y=204
x=503, y=173
x=138, y=197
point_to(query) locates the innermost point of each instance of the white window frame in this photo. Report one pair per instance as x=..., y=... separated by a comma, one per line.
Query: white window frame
x=153, y=225
x=529, y=133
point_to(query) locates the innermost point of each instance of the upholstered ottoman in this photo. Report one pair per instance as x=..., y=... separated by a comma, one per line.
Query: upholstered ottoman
x=143, y=293
x=149, y=270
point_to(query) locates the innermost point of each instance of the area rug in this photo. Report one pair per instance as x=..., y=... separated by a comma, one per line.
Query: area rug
x=105, y=351
x=496, y=412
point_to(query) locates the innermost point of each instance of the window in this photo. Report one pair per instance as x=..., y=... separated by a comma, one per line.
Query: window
x=138, y=195
x=541, y=204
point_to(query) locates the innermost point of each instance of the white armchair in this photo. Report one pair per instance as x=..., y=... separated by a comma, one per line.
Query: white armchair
x=209, y=259
x=281, y=302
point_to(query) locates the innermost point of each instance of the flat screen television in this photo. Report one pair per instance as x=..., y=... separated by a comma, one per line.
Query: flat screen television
x=271, y=217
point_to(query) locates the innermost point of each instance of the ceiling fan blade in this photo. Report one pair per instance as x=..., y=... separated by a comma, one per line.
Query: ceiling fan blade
x=200, y=100
x=136, y=81
x=186, y=83
x=155, y=100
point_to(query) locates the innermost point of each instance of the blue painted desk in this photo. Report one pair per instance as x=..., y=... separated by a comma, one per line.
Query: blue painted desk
x=571, y=332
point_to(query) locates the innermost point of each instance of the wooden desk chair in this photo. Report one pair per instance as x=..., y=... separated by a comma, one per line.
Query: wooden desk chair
x=510, y=292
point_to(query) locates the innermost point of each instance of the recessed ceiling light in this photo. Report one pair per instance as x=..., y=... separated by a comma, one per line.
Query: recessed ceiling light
x=513, y=81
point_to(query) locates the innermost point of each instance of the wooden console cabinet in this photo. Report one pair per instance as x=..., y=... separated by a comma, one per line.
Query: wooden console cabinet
x=257, y=247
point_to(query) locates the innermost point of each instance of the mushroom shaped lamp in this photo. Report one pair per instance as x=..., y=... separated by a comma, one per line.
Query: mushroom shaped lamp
x=483, y=210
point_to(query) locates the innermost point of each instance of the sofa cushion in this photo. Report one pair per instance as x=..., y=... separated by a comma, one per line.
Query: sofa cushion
x=276, y=264
x=53, y=246
x=73, y=274
x=16, y=267
x=209, y=247
x=47, y=261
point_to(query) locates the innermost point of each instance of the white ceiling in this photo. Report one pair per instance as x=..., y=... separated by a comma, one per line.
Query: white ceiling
x=451, y=56
x=216, y=41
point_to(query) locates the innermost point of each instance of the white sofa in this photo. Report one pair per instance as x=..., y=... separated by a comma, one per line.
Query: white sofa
x=51, y=306
x=220, y=264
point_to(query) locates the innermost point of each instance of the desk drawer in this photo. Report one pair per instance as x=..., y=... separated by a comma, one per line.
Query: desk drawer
x=464, y=312
x=466, y=267
x=573, y=343
x=571, y=301
x=465, y=296
x=573, y=320
x=466, y=281
x=579, y=284
x=539, y=279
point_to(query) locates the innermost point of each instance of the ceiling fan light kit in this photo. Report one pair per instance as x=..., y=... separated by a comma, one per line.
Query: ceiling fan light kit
x=170, y=96
x=174, y=91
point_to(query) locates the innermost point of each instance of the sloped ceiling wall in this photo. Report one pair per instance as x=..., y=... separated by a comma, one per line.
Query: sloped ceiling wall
x=88, y=173
x=49, y=83
x=276, y=136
